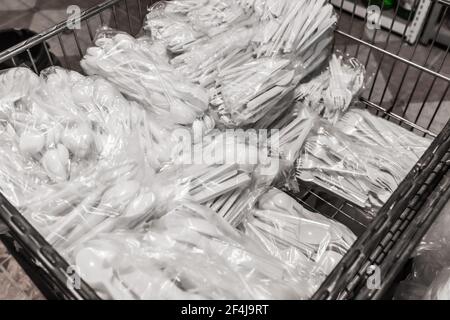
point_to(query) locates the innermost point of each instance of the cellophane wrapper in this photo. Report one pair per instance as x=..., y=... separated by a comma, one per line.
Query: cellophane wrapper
x=331, y=93
x=189, y=253
x=138, y=68
x=250, y=55
x=73, y=153
x=309, y=242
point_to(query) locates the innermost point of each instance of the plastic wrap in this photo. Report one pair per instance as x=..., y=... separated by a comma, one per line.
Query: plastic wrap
x=294, y=26
x=208, y=56
x=181, y=23
x=331, y=93
x=430, y=275
x=72, y=154
x=142, y=75
x=247, y=92
x=59, y=128
x=189, y=253
x=290, y=131
x=365, y=175
x=225, y=171
x=375, y=131
x=293, y=131
x=250, y=54
x=308, y=241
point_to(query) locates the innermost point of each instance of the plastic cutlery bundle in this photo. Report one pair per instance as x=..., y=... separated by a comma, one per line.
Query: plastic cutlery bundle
x=111, y=197
x=430, y=274
x=365, y=175
x=268, y=160
x=289, y=132
x=189, y=253
x=206, y=57
x=59, y=127
x=331, y=93
x=71, y=151
x=141, y=74
x=295, y=27
x=298, y=236
x=251, y=55
x=292, y=130
x=247, y=92
x=223, y=171
x=180, y=23
x=372, y=130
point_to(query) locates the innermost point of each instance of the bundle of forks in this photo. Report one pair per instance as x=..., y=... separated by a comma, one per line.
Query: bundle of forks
x=131, y=65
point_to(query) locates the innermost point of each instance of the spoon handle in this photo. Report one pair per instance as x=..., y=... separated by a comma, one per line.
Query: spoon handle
x=115, y=292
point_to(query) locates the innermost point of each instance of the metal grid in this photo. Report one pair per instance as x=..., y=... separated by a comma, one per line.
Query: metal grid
x=426, y=117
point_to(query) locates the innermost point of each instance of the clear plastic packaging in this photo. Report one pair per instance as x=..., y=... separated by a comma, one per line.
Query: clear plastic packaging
x=72, y=153
x=294, y=27
x=254, y=54
x=331, y=93
x=308, y=241
x=225, y=171
x=365, y=175
x=245, y=93
x=60, y=127
x=206, y=57
x=179, y=24
x=293, y=132
x=189, y=253
x=375, y=131
x=430, y=275
x=141, y=74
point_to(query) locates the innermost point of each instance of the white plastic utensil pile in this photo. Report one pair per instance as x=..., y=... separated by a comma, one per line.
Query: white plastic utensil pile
x=71, y=152
x=113, y=185
x=63, y=124
x=331, y=93
x=375, y=131
x=179, y=24
x=190, y=253
x=251, y=55
x=430, y=275
x=298, y=236
x=358, y=162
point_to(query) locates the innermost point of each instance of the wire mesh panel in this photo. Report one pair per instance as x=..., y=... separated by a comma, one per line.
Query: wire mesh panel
x=408, y=84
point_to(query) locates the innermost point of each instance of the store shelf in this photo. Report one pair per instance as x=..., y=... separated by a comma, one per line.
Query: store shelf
x=387, y=20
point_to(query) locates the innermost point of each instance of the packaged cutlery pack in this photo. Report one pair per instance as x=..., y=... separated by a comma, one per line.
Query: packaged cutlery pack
x=364, y=173
x=225, y=171
x=249, y=54
x=156, y=173
x=142, y=75
x=59, y=125
x=296, y=235
x=430, y=274
x=331, y=93
x=372, y=130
